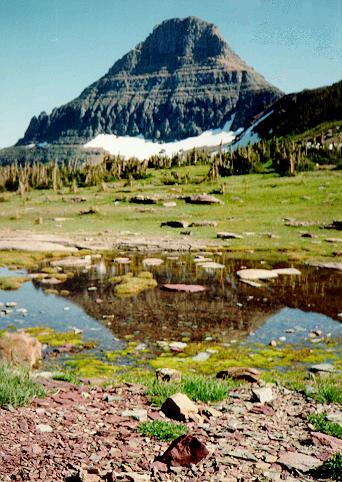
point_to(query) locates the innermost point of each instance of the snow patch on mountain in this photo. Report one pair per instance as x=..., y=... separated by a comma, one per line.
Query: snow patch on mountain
x=141, y=148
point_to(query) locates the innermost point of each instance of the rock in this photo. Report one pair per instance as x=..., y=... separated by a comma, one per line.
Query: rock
x=175, y=224
x=152, y=261
x=327, y=264
x=255, y=284
x=139, y=414
x=256, y=274
x=170, y=204
x=202, y=356
x=72, y=262
x=143, y=200
x=241, y=454
x=263, y=395
x=202, y=199
x=251, y=375
x=177, y=346
x=333, y=240
x=200, y=224
x=322, y=367
x=334, y=225
x=51, y=281
x=122, y=260
x=335, y=418
x=295, y=223
x=20, y=349
x=211, y=265
x=179, y=407
x=85, y=476
x=183, y=287
x=322, y=439
x=183, y=451
x=298, y=461
x=228, y=236
x=44, y=428
x=287, y=271
x=168, y=374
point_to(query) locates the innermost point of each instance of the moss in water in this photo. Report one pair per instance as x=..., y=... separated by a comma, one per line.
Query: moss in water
x=90, y=367
x=258, y=356
x=11, y=283
x=129, y=285
x=54, y=338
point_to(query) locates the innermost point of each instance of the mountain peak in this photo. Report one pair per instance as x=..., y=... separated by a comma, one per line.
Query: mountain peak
x=183, y=79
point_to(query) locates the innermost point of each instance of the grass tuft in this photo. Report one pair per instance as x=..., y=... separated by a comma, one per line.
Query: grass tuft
x=197, y=388
x=332, y=468
x=329, y=391
x=11, y=283
x=322, y=424
x=161, y=430
x=16, y=386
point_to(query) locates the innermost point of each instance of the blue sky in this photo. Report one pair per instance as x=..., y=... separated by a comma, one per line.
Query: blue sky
x=50, y=50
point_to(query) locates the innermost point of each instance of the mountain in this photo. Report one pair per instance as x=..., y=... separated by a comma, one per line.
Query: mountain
x=182, y=80
x=297, y=113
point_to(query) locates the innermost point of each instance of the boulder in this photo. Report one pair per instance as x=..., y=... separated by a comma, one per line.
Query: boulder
x=183, y=287
x=168, y=374
x=251, y=375
x=143, y=200
x=20, y=349
x=183, y=451
x=180, y=407
x=175, y=224
x=202, y=199
x=177, y=346
x=228, y=236
x=263, y=395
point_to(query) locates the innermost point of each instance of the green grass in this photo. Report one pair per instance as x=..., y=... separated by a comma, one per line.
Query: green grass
x=322, y=424
x=161, y=430
x=332, y=468
x=16, y=387
x=266, y=200
x=329, y=391
x=197, y=388
x=66, y=376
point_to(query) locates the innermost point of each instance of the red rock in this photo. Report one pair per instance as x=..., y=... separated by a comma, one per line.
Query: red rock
x=251, y=375
x=264, y=409
x=183, y=451
x=183, y=287
x=160, y=466
x=327, y=440
x=299, y=461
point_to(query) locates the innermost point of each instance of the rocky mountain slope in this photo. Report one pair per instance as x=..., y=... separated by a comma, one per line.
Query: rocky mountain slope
x=296, y=113
x=182, y=80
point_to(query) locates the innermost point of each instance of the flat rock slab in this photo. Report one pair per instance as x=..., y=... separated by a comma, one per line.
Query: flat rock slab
x=328, y=264
x=51, y=281
x=333, y=240
x=152, y=261
x=228, y=236
x=184, y=288
x=321, y=439
x=170, y=204
x=299, y=461
x=256, y=274
x=72, y=262
x=211, y=265
x=322, y=367
x=287, y=271
x=122, y=260
x=203, y=199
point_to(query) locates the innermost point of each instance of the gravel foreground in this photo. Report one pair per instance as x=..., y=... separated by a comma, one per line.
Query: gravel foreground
x=78, y=433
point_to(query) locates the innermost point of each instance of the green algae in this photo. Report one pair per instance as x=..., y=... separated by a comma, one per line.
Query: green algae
x=11, y=283
x=129, y=285
x=49, y=336
x=257, y=356
x=90, y=367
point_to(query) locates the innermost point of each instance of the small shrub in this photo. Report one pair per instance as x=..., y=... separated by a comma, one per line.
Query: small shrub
x=16, y=386
x=322, y=424
x=161, y=430
x=329, y=391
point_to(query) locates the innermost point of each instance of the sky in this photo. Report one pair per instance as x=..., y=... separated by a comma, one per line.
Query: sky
x=50, y=50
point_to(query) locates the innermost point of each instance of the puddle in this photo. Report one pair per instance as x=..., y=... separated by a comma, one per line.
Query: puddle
x=228, y=310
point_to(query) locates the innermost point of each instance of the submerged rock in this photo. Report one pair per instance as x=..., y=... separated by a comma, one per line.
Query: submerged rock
x=20, y=349
x=256, y=274
x=183, y=287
